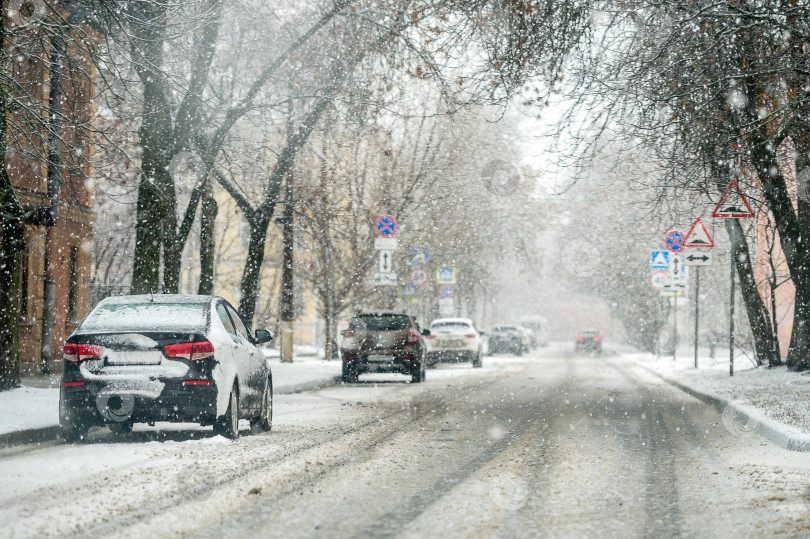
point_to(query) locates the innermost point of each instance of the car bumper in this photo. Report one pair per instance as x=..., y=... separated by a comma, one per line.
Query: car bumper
x=403, y=363
x=451, y=355
x=98, y=404
x=511, y=344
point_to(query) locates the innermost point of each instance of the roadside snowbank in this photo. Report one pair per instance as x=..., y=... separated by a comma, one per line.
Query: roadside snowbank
x=28, y=408
x=780, y=395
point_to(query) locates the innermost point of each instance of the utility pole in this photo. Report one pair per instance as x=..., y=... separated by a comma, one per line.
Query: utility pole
x=287, y=308
x=49, y=221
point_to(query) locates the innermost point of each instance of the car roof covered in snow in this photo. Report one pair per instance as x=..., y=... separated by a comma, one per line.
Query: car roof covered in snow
x=452, y=321
x=157, y=298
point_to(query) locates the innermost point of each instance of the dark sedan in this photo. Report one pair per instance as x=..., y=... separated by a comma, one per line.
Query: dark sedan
x=164, y=358
x=588, y=340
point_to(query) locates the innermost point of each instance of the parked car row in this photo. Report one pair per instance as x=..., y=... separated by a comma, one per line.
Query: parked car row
x=184, y=358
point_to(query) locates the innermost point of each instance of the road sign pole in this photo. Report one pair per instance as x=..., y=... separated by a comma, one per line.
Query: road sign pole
x=697, y=311
x=675, y=348
x=731, y=315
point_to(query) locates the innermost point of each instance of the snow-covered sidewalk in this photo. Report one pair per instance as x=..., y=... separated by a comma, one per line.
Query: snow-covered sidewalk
x=36, y=410
x=772, y=402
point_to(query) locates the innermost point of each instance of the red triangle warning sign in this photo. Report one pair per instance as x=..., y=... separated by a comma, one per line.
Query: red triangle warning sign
x=733, y=204
x=698, y=236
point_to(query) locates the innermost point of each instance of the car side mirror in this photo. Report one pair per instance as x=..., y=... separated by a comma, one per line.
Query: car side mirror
x=425, y=332
x=262, y=336
x=482, y=333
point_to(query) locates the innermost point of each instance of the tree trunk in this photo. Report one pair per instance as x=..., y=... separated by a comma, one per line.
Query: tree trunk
x=253, y=267
x=155, y=207
x=208, y=217
x=792, y=233
x=148, y=240
x=328, y=346
x=754, y=304
x=13, y=245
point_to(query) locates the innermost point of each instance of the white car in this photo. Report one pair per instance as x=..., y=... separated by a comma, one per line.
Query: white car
x=454, y=339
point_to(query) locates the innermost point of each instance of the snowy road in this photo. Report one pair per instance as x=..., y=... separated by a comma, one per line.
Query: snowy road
x=545, y=445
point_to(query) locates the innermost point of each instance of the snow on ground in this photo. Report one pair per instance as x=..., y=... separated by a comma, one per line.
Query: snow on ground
x=305, y=372
x=28, y=408
x=778, y=393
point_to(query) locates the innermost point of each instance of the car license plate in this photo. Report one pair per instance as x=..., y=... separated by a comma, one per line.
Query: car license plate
x=134, y=357
x=380, y=358
x=451, y=345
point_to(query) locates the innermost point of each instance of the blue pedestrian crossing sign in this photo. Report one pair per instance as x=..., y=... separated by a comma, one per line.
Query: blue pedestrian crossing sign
x=659, y=260
x=446, y=276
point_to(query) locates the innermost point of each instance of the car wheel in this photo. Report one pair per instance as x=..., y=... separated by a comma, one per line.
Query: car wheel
x=418, y=373
x=264, y=422
x=478, y=362
x=228, y=424
x=122, y=428
x=73, y=428
x=74, y=433
x=519, y=351
x=349, y=372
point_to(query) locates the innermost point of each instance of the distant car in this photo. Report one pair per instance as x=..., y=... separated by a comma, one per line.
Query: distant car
x=539, y=326
x=588, y=340
x=530, y=336
x=383, y=342
x=454, y=339
x=164, y=358
x=508, y=339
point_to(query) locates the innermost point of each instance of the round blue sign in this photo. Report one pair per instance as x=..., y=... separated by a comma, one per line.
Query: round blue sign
x=446, y=291
x=386, y=226
x=675, y=241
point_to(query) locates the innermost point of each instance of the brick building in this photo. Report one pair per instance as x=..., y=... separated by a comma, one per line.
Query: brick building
x=66, y=245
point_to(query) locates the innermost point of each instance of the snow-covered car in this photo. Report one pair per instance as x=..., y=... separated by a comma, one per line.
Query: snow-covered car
x=383, y=341
x=151, y=358
x=509, y=339
x=454, y=339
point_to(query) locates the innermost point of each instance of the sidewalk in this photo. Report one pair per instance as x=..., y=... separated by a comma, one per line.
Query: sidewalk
x=31, y=412
x=773, y=403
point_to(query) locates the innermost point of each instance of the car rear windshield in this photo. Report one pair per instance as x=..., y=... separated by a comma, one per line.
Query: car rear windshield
x=505, y=329
x=384, y=322
x=154, y=317
x=451, y=327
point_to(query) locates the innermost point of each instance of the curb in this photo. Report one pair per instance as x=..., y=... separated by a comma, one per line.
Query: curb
x=784, y=436
x=49, y=434
x=307, y=386
x=30, y=436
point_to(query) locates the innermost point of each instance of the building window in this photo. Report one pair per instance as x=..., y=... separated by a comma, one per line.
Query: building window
x=73, y=286
x=25, y=284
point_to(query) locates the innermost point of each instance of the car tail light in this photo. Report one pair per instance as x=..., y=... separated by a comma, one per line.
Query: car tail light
x=193, y=351
x=412, y=338
x=77, y=353
x=470, y=335
x=72, y=384
x=348, y=335
x=579, y=338
x=597, y=338
x=197, y=383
